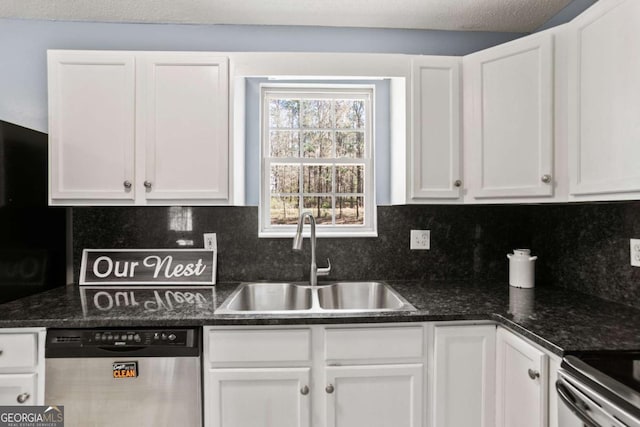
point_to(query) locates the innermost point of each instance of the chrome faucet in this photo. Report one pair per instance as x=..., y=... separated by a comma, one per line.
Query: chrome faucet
x=297, y=246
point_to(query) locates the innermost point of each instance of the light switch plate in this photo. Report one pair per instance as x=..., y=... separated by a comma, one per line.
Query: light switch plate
x=210, y=241
x=634, y=247
x=420, y=239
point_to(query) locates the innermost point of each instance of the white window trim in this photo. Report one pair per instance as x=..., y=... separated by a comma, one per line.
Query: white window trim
x=369, y=228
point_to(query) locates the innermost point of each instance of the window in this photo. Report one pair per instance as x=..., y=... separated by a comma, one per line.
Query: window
x=317, y=155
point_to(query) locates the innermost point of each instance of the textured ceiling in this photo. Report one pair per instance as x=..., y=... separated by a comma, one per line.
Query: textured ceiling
x=458, y=15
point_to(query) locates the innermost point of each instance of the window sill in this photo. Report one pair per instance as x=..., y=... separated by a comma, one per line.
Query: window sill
x=288, y=234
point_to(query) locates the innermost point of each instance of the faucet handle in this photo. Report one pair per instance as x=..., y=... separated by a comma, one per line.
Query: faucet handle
x=325, y=271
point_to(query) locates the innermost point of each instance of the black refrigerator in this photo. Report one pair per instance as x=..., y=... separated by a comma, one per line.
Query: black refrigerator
x=33, y=235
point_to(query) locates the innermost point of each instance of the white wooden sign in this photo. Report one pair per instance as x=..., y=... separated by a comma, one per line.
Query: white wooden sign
x=148, y=267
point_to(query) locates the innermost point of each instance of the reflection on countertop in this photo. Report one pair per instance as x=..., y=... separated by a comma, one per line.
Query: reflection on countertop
x=145, y=300
x=99, y=306
x=522, y=303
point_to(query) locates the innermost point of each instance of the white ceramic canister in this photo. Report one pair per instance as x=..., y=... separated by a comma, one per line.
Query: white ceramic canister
x=522, y=268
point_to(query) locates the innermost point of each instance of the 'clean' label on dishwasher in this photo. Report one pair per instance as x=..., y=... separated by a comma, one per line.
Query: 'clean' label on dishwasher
x=125, y=369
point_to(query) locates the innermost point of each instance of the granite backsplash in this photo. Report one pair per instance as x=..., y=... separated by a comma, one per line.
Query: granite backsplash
x=580, y=246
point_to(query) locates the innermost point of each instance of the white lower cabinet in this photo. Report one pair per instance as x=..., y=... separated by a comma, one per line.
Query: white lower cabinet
x=463, y=378
x=258, y=397
x=318, y=376
x=521, y=382
x=18, y=389
x=22, y=366
x=453, y=374
x=374, y=395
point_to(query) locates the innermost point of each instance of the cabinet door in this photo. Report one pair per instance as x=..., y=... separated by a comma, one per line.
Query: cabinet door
x=521, y=383
x=16, y=389
x=464, y=374
x=18, y=352
x=184, y=126
x=604, y=100
x=257, y=397
x=436, y=128
x=91, y=125
x=510, y=133
x=374, y=396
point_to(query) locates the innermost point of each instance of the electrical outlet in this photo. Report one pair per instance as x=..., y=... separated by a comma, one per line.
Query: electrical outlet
x=634, y=246
x=210, y=241
x=420, y=239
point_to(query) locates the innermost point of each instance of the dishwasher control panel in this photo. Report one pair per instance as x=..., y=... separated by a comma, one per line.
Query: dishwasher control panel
x=138, y=337
x=61, y=342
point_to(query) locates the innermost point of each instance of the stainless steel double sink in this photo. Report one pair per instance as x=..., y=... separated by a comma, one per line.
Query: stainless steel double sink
x=292, y=298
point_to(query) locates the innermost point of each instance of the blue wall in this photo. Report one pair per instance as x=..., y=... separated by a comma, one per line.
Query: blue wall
x=23, y=45
x=573, y=9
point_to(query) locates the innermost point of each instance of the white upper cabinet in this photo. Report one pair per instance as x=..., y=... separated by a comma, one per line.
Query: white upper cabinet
x=509, y=134
x=185, y=114
x=604, y=102
x=92, y=125
x=138, y=128
x=435, y=161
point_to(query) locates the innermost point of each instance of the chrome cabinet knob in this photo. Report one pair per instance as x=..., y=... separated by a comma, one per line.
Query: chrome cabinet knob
x=23, y=397
x=304, y=390
x=147, y=185
x=546, y=178
x=457, y=183
x=1, y=352
x=329, y=389
x=127, y=184
x=533, y=374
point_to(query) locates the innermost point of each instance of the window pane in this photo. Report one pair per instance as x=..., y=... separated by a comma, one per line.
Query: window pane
x=284, y=143
x=320, y=207
x=285, y=178
x=317, y=144
x=284, y=113
x=350, y=179
x=316, y=113
x=285, y=210
x=350, y=210
x=350, y=114
x=317, y=179
x=350, y=144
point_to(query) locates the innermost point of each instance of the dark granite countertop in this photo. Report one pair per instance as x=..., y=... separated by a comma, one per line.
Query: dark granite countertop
x=561, y=321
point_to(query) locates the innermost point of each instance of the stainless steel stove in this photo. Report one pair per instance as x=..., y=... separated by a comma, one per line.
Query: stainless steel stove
x=600, y=390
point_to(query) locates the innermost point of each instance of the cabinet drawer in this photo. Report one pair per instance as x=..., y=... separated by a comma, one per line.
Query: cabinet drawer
x=260, y=345
x=16, y=389
x=374, y=343
x=18, y=351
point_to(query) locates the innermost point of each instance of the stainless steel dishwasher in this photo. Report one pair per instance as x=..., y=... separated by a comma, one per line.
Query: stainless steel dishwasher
x=125, y=377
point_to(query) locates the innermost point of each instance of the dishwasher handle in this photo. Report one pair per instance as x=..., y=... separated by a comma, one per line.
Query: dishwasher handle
x=572, y=403
x=121, y=349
